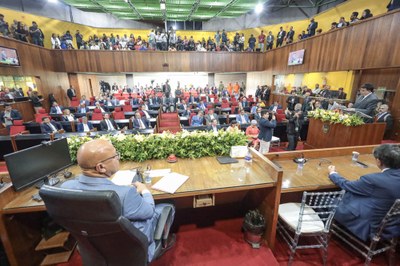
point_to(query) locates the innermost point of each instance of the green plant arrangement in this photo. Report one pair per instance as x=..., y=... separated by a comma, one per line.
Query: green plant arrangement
x=336, y=117
x=183, y=144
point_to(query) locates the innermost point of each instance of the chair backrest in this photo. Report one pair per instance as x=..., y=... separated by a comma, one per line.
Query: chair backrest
x=39, y=116
x=42, y=111
x=118, y=114
x=127, y=108
x=390, y=224
x=17, y=127
x=94, y=219
x=18, y=122
x=97, y=115
x=323, y=205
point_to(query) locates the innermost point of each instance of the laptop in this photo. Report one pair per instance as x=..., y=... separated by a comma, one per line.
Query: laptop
x=226, y=159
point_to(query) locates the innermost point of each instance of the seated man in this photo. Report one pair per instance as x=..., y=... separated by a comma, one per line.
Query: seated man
x=99, y=160
x=384, y=116
x=213, y=126
x=140, y=122
x=108, y=124
x=48, y=126
x=197, y=120
x=275, y=107
x=82, y=109
x=368, y=199
x=242, y=117
x=56, y=109
x=85, y=126
x=210, y=116
x=8, y=115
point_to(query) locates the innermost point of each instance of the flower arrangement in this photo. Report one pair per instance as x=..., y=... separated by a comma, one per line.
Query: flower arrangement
x=159, y=146
x=335, y=117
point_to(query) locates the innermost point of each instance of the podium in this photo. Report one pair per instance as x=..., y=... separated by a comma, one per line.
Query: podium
x=325, y=135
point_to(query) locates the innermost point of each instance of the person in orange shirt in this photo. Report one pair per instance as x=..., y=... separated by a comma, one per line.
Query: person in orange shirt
x=229, y=88
x=252, y=132
x=236, y=88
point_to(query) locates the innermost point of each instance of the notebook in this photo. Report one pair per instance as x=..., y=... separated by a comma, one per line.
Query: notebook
x=226, y=160
x=170, y=182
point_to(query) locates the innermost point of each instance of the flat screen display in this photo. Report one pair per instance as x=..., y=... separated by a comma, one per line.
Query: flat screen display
x=29, y=166
x=296, y=58
x=8, y=57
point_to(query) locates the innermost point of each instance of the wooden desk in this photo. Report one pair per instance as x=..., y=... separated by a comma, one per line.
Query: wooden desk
x=314, y=175
x=255, y=185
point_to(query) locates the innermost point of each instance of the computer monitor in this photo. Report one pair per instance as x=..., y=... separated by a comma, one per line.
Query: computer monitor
x=34, y=164
x=8, y=57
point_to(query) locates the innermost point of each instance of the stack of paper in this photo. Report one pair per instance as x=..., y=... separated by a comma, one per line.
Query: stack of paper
x=170, y=182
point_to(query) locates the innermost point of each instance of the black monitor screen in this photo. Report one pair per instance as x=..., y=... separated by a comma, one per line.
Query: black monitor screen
x=8, y=57
x=28, y=166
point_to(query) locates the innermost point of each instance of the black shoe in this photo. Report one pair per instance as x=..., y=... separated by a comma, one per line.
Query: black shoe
x=168, y=244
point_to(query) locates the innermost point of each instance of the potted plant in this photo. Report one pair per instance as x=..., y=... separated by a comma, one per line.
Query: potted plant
x=253, y=226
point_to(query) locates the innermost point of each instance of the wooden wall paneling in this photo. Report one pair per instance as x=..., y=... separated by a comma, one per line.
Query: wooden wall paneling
x=394, y=59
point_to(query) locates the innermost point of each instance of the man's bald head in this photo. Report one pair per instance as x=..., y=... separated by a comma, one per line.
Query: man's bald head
x=93, y=152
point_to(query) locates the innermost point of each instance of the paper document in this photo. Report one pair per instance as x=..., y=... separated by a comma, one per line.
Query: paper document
x=170, y=183
x=159, y=172
x=123, y=177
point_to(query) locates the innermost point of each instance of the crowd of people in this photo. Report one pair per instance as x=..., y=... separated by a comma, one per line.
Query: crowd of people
x=167, y=39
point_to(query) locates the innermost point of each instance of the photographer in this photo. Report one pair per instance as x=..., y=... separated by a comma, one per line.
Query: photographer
x=295, y=122
x=267, y=124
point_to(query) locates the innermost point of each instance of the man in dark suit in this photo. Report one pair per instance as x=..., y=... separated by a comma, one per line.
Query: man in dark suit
x=368, y=199
x=82, y=109
x=8, y=115
x=267, y=124
x=140, y=122
x=385, y=117
x=295, y=122
x=290, y=35
x=393, y=4
x=292, y=100
x=366, y=103
x=341, y=95
x=48, y=126
x=71, y=93
x=280, y=37
x=85, y=126
x=108, y=124
x=56, y=109
x=210, y=116
x=184, y=107
x=312, y=27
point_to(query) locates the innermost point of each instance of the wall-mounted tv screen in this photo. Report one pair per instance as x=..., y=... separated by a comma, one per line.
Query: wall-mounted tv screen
x=296, y=58
x=8, y=57
x=31, y=165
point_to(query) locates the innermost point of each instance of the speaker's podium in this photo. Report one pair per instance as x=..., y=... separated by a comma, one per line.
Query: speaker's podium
x=325, y=135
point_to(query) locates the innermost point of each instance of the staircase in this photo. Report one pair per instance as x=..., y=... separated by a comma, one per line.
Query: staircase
x=168, y=122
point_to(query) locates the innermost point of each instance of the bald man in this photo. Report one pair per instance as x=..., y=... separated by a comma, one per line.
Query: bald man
x=99, y=160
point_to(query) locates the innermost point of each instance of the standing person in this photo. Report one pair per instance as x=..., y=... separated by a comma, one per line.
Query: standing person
x=98, y=161
x=266, y=124
x=280, y=37
x=79, y=39
x=270, y=41
x=366, y=103
x=224, y=37
x=217, y=38
x=252, y=42
x=36, y=34
x=312, y=27
x=368, y=199
x=152, y=40
x=261, y=40
x=36, y=101
x=295, y=122
x=71, y=92
x=290, y=35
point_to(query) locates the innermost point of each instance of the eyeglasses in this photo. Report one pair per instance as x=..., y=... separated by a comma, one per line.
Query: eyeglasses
x=112, y=157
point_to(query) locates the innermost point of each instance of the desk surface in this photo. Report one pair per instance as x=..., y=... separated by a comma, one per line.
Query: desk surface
x=206, y=176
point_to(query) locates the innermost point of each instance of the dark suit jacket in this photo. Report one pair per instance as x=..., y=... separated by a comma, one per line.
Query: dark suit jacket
x=104, y=127
x=366, y=200
x=80, y=126
x=311, y=28
x=367, y=105
x=385, y=118
x=15, y=115
x=145, y=121
x=47, y=129
x=53, y=110
x=70, y=93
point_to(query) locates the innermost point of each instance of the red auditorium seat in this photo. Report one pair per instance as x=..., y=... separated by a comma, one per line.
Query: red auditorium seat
x=118, y=114
x=42, y=113
x=225, y=105
x=127, y=107
x=74, y=102
x=280, y=117
x=97, y=115
x=279, y=111
x=18, y=128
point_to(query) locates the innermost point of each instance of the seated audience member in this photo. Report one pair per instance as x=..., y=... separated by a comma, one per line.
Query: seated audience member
x=211, y=116
x=252, y=132
x=333, y=26
x=140, y=122
x=385, y=117
x=48, y=126
x=253, y=109
x=213, y=126
x=354, y=17
x=185, y=108
x=275, y=106
x=366, y=14
x=8, y=115
x=56, y=109
x=202, y=106
x=108, y=124
x=242, y=117
x=341, y=95
x=366, y=103
x=368, y=199
x=342, y=23
x=85, y=126
x=67, y=116
x=233, y=127
x=317, y=105
x=198, y=119
x=267, y=124
x=99, y=160
x=98, y=106
x=82, y=109
x=84, y=101
x=316, y=90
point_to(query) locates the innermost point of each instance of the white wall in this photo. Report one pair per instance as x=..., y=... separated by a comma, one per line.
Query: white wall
x=227, y=78
x=119, y=79
x=257, y=78
x=185, y=78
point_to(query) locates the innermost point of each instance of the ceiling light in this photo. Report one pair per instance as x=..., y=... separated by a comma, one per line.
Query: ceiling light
x=259, y=8
x=162, y=5
x=126, y=1
x=53, y=1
